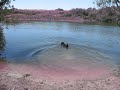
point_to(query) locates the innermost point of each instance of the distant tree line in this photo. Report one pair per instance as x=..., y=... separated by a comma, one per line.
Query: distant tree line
x=102, y=15
x=108, y=13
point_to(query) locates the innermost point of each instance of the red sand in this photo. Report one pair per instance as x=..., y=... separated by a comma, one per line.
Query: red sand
x=61, y=74
x=45, y=78
x=4, y=66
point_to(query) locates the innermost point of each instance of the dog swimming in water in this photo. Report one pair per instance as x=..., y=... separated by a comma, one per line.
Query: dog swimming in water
x=64, y=45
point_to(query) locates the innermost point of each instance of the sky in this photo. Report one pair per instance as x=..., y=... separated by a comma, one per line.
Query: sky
x=52, y=4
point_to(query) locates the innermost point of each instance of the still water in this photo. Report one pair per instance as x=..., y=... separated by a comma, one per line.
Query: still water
x=38, y=43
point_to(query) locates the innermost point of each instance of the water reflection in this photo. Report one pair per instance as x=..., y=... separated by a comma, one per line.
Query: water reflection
x=2, y=43
x=2, y=40
x=3, y=61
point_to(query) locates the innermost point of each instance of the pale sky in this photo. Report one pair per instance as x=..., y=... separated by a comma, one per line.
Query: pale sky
x=52, y=4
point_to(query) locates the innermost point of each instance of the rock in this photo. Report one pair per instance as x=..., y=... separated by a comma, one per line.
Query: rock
x=26, y=75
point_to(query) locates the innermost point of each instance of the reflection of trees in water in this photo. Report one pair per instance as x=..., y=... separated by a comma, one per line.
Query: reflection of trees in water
x=2, y=44
x=2, y=40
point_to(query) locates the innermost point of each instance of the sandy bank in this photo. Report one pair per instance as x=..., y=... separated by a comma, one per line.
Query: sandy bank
x=15, y=80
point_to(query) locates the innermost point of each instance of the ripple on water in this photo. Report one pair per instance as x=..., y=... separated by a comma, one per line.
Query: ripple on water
x=76, y=62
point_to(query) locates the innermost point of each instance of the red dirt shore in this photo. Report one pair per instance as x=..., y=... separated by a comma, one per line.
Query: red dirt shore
x=11, y=78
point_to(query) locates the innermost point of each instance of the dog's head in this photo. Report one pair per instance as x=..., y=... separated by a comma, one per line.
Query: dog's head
x=62, y=43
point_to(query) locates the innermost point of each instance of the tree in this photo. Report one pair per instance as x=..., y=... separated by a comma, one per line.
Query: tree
x=4, y=3
x=5, y=8
x=110, y=3
x=59, y=9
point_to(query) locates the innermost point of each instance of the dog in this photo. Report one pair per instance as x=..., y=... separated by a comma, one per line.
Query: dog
x=64, y=45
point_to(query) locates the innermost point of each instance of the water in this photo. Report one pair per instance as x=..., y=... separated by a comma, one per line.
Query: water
x=91, y=47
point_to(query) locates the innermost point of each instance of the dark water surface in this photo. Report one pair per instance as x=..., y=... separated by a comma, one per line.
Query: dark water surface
x=39, y=43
